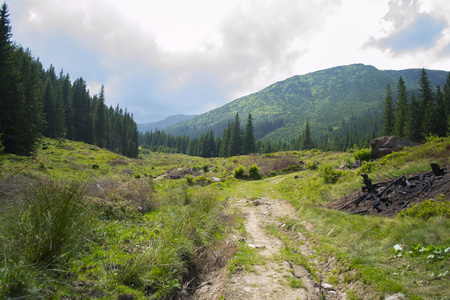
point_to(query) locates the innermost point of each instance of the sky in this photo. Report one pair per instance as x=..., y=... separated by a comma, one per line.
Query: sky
x=163, y=58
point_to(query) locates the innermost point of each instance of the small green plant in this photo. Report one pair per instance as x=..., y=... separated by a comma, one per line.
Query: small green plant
x=428, y=209
x=189, y=179
x=363, y=154
x=239, y=172
x=95, y=166
x=367, y=168
x=253, y=172
x=312, y=166
x=328, y=174
x=202, y=180
x=293, y=282
x=205, y=168
x=430, y=252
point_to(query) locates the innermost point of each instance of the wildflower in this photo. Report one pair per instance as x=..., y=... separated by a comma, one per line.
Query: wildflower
x=398, y=247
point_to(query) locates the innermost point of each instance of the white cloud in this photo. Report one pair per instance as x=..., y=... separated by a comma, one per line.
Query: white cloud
x=161, y=58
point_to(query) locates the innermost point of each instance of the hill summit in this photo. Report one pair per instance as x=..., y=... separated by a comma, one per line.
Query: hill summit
x=327, y=99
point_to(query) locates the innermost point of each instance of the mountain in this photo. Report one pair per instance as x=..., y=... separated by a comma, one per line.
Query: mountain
x=327, y=98
x=169, y=121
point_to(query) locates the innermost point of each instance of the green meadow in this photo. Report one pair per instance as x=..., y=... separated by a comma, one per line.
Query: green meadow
x=80, y=222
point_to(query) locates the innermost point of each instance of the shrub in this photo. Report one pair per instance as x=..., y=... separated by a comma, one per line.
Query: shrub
x=189, y=179
x=239, y=172
x=253, y=172
x=428, y=209
x=367, y=168
x=202, y=180
x=312, y=165
x=328, y=174
x=205, y=168
x=362, y=154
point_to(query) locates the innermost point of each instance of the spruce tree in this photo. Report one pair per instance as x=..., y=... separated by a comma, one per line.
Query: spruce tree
x=235, y=143
x=402, y=108
x=306, y=141
x=446, y=95
x=440, y=123
x=412, y=126
x=388, y=113
x=427, y=104
x=224, y=145
x=100, y=119
x=20, y=94
x=248, y=145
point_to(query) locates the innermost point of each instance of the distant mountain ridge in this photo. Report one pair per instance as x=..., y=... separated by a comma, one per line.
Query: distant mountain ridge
x=169, y=121
x=326, y=98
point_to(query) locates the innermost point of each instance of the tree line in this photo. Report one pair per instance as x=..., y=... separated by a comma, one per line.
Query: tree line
x=235, y=140
x=417, y=114
x=35, y=102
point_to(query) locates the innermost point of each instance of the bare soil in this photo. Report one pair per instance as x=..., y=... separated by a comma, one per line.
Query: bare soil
x=269, y=280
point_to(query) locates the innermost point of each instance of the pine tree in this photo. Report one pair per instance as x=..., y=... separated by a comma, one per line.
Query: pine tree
x=306, y=141
x=66, y=96
x=440, y=123
x=20, y=94
x=224, y=145
x=388, y=113
x=427, y=104
x=412, y=126
x=248, y=145
x=446, y=95
x=100, y=119
x=235, y=143
x=402, y=107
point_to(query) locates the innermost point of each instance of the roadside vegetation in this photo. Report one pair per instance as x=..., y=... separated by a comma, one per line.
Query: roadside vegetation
x=79, y=221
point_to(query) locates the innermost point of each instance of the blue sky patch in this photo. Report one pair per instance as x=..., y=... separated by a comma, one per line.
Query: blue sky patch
x=424, y=32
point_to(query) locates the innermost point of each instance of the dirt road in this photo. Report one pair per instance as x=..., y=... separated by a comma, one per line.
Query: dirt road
x=269, y=279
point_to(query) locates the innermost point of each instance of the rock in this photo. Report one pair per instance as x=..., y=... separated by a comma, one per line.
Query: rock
x=256, y=203
x=398, y=296
x=215, y=179
x=385, y=145
x=327, y=287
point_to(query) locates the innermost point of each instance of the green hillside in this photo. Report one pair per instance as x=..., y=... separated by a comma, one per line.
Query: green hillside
x=325, y=97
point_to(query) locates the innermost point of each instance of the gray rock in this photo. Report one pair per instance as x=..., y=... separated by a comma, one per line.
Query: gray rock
x=385, y=145
x=327, y=287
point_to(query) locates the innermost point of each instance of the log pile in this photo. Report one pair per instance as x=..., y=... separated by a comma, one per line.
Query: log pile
x=389, y=198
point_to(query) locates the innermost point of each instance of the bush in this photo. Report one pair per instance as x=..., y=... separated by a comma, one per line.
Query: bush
x=362, y=154
x=312, y=166
x=428, y=209
x=328, y=174
x=253, y=172
x=239, y=172
x=367, y=168
x=189, y=179
x=205, y=168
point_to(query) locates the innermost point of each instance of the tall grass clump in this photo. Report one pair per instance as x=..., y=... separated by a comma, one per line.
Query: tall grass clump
x=48, y=222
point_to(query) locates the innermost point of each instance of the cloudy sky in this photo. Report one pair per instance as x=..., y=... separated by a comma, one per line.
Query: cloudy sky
x=161, y=58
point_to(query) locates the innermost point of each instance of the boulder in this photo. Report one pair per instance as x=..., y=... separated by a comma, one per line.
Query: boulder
x=385, y=145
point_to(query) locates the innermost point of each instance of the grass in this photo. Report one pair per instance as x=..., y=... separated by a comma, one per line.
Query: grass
x=125, y=230
x=364, y=242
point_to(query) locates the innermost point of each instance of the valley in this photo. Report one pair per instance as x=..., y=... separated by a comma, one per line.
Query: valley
x=172, y=226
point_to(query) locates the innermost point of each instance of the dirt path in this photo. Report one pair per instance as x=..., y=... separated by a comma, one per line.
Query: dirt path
x=269, y=280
